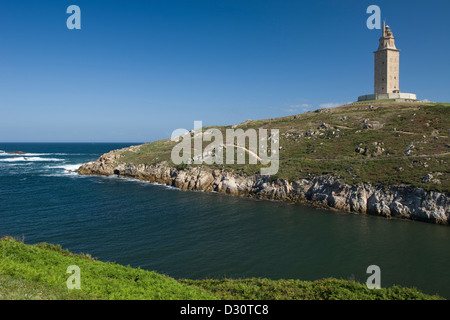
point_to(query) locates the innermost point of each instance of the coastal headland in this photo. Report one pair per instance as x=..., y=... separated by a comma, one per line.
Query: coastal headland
x=379, y=158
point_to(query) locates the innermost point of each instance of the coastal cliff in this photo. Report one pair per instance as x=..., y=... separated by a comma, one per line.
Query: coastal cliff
x=385, y=159
x=325, y=191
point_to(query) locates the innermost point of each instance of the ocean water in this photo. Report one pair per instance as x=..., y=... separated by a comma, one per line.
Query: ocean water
x=198, y=235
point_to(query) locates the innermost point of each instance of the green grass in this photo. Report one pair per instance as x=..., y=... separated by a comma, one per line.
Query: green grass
x=15, y=288
x=326, y=289
x=44, y=266
x=38, y=272
x=425, y=125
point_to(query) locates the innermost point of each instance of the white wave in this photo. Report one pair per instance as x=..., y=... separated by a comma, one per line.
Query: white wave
x=67, y=167
x=65, y=174
x=37, y=154
x=31, y=159
x=40, y=154
x=63, y=170
x=5, y=154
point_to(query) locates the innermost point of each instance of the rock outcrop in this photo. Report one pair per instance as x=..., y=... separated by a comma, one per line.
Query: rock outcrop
x=325, y=191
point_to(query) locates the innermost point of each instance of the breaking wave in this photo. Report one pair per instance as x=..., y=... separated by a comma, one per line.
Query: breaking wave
x=30, y=159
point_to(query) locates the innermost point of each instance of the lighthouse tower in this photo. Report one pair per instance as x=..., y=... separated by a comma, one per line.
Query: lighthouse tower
x=387, y=63
x=387, y=71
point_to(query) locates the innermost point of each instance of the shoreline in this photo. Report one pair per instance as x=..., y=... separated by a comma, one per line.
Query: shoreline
x=325, y=192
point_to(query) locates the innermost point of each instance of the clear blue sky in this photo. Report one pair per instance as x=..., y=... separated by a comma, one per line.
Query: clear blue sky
x=137, y=70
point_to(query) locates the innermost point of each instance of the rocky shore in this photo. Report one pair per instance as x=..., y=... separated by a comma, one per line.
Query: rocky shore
x=326, y=191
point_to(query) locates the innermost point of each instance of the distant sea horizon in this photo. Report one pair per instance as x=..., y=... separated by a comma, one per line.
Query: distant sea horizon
x=197, y=235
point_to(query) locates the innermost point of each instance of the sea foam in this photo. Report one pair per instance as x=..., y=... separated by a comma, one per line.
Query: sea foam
x=31, y=159
x=37, y=154
x=68, y=167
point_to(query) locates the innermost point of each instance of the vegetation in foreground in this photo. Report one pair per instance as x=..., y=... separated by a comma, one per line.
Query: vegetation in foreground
x=39, y=272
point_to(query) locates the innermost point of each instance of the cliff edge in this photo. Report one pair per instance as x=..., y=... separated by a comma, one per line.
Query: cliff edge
x=386, y=160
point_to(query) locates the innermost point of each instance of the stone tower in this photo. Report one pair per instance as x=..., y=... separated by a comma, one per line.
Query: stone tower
x=387, y=71
x=387, y=61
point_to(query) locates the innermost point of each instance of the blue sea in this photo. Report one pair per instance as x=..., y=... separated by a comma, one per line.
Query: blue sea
x=197, y=235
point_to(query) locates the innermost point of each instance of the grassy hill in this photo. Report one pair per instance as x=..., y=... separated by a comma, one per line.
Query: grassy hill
x=386, y=143
x=38, y=272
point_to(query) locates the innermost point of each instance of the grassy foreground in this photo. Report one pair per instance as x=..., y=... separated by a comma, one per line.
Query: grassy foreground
x=39, y=272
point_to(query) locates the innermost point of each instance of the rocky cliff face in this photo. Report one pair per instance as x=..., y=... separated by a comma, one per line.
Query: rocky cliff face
x=326, y=191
